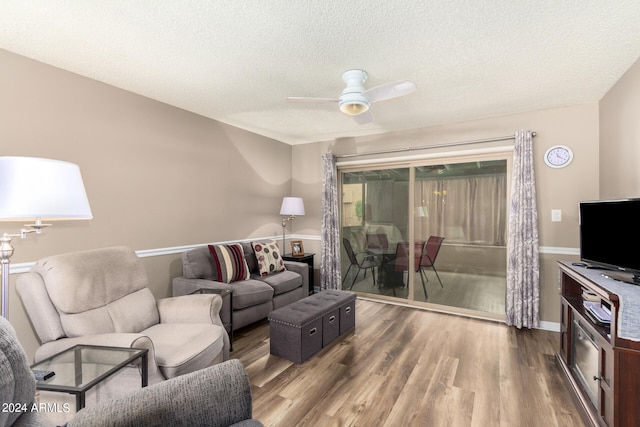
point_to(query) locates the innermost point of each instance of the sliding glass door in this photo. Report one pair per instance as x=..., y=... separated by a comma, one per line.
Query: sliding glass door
x=462, y=208
x=374, y=220
x=430, y=232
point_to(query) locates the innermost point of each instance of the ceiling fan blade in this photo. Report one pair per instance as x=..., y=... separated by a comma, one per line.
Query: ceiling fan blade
x=306, y=99
x=389, y=90
x=364, y=118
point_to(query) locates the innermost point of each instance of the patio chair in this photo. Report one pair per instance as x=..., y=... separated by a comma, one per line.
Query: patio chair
x=368, y=262
x=428, y=259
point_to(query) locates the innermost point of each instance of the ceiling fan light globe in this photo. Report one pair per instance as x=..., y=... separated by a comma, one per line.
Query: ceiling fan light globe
x=354, y=108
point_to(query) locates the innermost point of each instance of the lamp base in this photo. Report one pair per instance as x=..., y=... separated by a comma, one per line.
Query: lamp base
x=6, y=250
x=284, y=228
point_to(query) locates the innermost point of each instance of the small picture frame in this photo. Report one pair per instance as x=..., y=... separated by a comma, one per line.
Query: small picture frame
x=296, y=248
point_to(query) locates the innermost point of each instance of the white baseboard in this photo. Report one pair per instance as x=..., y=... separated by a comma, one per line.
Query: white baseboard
x=549, y=326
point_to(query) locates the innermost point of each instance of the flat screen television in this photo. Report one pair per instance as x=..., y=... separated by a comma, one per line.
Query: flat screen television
x=609, y=235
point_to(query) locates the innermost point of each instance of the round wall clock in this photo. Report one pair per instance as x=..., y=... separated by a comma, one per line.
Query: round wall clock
x=558, y=156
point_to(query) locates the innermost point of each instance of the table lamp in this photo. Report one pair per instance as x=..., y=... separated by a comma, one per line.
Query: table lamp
x=39, y=190
x=291, y=206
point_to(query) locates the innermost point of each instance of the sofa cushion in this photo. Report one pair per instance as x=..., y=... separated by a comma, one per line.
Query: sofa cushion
x=229, y=262
x=250, y=257
x=198, y=264
x=90, y=322
x=283, y=281
x=114, y=317
x=144, y=316
x=268, y=257
x=17, y=386
x=94, y=278
x=249, y=293
x=184, y=347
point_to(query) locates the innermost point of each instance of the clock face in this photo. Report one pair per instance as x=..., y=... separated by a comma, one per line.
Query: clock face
x=558, y=156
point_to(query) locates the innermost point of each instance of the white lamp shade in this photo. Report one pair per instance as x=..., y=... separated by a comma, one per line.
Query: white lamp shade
x=292, y=206
x=32, y=188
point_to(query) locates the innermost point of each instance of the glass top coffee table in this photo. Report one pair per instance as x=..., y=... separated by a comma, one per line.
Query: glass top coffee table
x=81, y=367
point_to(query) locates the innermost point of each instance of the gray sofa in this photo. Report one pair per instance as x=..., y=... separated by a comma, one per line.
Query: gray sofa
x=216, y=396
x=252, y=299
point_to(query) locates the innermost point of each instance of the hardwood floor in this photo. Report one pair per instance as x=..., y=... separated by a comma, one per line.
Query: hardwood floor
x=408, y=367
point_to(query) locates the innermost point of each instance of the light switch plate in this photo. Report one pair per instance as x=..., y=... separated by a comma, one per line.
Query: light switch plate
x=556, y=215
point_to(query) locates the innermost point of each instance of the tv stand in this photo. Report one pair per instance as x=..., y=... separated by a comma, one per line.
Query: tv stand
x=608, y=387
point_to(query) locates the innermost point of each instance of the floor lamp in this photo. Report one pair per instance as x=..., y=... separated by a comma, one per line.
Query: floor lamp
x=291, y=206
x=39, y=190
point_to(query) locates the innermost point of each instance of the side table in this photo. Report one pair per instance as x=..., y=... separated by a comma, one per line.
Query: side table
x=227, y=303
x=307, y=259
x=79, y=368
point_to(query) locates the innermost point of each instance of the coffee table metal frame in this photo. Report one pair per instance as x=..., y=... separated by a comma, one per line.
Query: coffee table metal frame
x=81, y=382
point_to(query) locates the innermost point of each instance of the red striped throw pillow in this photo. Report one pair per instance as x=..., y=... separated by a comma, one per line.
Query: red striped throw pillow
x=229, y=261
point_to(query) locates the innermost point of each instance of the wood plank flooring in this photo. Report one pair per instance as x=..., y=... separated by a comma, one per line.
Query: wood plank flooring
x=408, y=367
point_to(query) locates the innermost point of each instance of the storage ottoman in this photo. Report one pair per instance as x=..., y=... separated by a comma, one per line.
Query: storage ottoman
x=301, y=329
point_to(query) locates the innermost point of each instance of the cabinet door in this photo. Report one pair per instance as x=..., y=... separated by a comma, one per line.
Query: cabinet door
x=606, y=409
x=626, y=369
x=565, y=330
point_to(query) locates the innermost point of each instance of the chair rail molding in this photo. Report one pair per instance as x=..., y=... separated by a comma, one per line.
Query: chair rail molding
x=145, y=253
x=24, y=267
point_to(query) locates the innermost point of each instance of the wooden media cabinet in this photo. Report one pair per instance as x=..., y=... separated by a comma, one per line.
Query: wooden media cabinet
x=601, y=361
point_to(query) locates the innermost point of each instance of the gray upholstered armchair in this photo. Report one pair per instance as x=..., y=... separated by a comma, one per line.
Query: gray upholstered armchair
x=215, y=396
x=100, y=297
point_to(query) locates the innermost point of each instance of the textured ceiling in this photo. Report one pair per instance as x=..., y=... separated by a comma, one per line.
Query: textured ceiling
x=237, y=61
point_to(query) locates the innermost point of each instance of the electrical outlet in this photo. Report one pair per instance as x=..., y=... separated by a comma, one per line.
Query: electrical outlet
x=556, y=215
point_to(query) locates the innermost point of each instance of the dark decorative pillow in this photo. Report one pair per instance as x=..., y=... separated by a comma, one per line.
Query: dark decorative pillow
x=268, y=256
x=230, y=263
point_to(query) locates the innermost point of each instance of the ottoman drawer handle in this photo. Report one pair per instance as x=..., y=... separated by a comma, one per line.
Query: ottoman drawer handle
x=347, y=310
x=313, y=331
x=331, y=319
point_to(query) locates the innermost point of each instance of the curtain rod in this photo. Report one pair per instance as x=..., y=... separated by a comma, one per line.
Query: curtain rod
x=425, y=147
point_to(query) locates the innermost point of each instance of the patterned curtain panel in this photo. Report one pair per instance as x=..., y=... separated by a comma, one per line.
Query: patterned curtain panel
x=523, y=266
x=330, y=252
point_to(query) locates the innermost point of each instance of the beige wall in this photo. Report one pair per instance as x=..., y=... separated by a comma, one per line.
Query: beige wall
x=156, y=176
x=576, y=126
x=620, y=137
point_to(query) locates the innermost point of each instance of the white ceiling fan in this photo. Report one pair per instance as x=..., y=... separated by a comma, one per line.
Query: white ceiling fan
x=355, y=100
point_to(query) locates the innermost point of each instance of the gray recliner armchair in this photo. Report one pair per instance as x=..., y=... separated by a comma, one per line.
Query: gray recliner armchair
x=100, y=297
x=216, y=396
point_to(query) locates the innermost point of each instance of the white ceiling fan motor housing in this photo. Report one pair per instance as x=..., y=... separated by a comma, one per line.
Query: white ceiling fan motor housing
x=352, y=102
